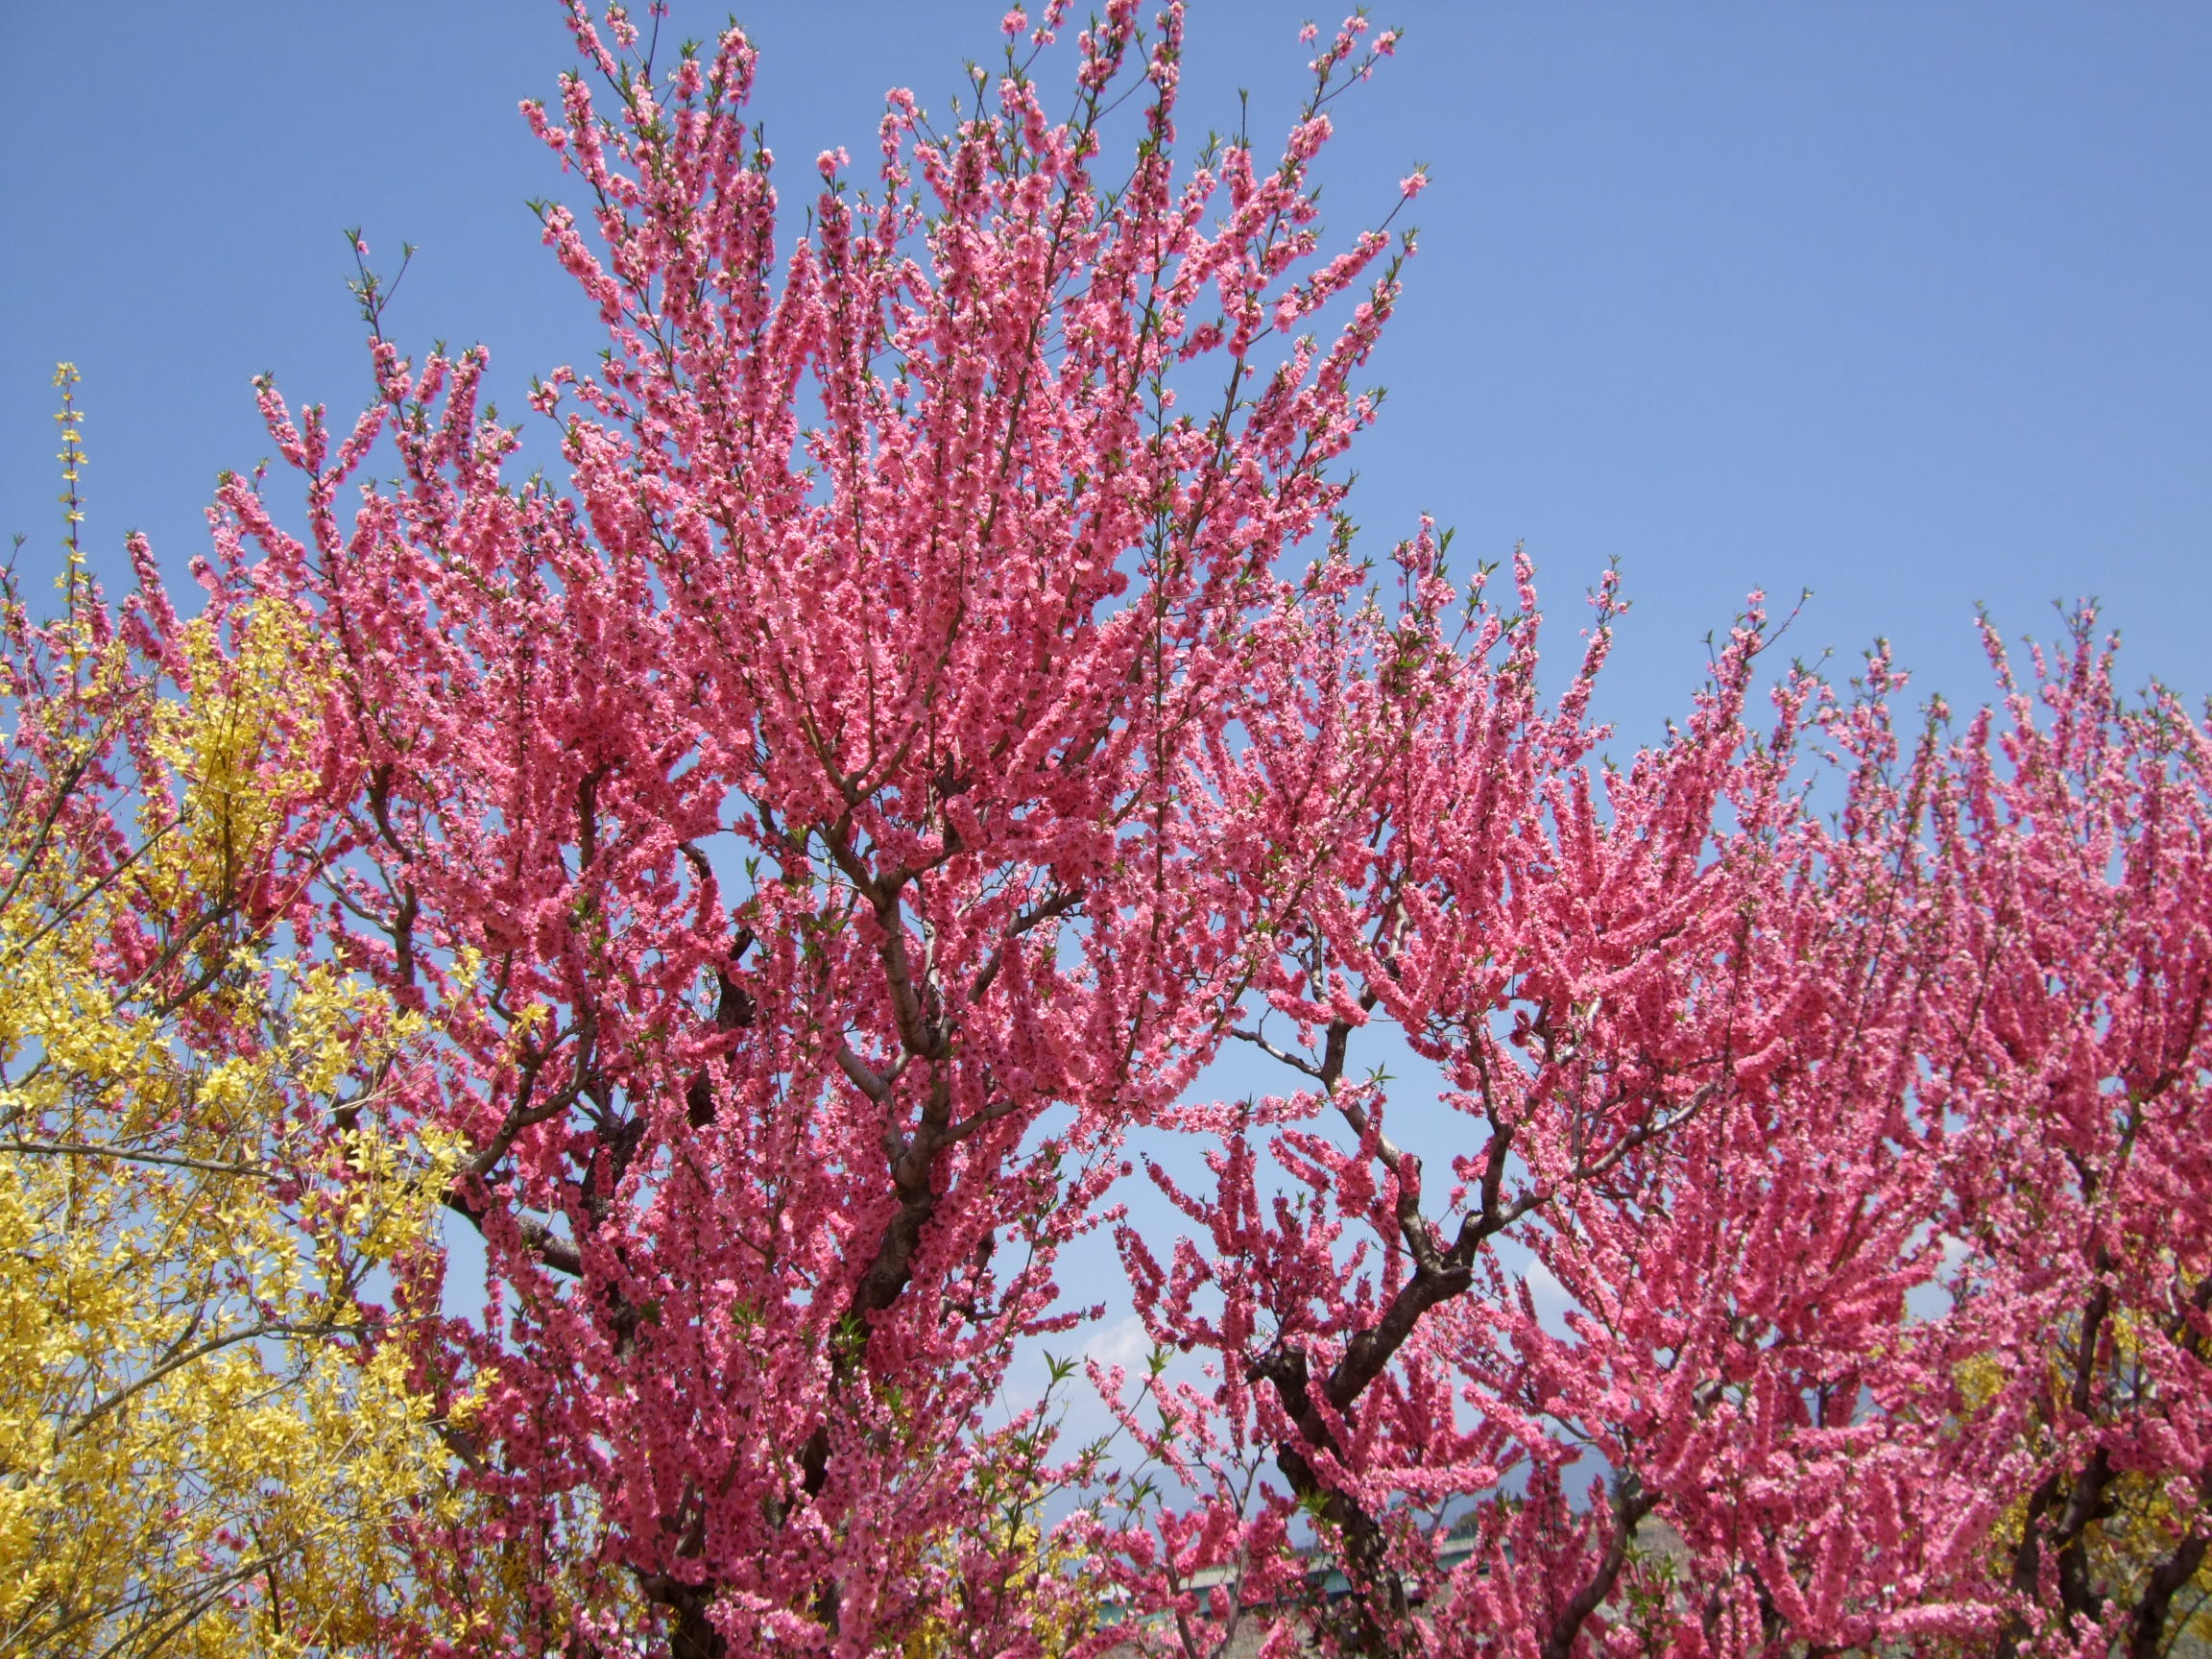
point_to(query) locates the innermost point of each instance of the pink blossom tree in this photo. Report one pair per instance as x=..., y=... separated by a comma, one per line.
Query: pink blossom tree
x=2073, y=843
x=945, y=709
x=1739, y=1082
x=1677, y=1014
x=803, y=827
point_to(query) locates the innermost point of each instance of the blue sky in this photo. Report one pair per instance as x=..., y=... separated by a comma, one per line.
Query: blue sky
x=1907, y=303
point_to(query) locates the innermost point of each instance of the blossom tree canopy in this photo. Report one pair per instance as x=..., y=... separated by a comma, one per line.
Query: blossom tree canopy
x=944, y=707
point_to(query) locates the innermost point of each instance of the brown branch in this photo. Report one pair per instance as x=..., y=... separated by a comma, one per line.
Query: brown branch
x=1630, y=1505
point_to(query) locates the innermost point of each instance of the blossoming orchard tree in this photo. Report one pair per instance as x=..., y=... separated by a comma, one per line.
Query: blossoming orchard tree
x=807, y=832
x=1740, y=1081
x=945, y=707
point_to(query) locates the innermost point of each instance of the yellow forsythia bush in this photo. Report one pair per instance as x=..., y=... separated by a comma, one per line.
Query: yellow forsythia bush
x=205, y=1435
